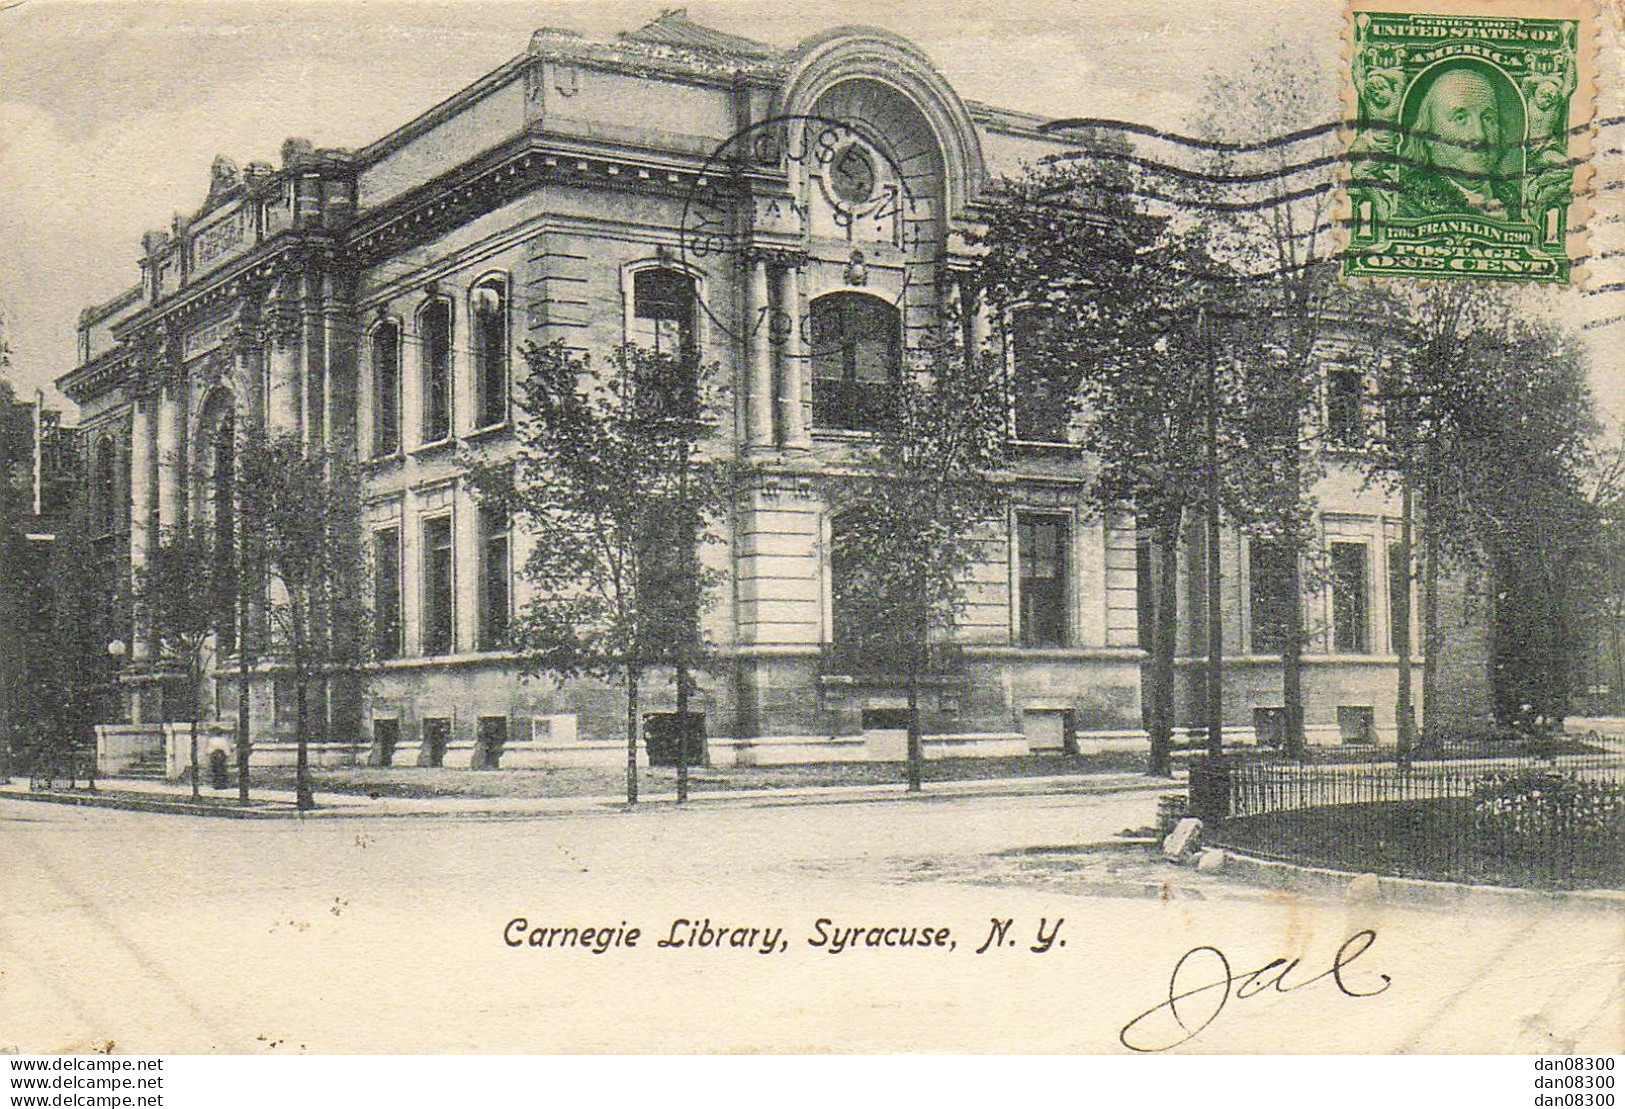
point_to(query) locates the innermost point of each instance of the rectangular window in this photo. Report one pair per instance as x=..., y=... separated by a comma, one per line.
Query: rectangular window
x=1356, y=724
x=1350, y=634
x=1345, y=423
x=664, y=306
x=493, y=737
x=1398, y=583
x=491, y=352
x=494, y=577
x=1041, y=400
x=435, y=325
x=438, y=585
x=1041, y=550
x=386, y=592
x=436, y=738
x=386, y=389
x=386, y=736
x=1270, y=592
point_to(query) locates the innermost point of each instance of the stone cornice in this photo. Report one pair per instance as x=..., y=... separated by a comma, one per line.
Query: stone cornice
x=149, y=340
x=506, y=172
x=285, y=252
x=96, y=377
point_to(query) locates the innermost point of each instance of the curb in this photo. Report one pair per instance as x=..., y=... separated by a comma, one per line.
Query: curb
x=364, y=809
x=1350, y=886
x=155, y=805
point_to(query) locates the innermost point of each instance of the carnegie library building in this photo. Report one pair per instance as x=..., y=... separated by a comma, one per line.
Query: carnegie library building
x=378, y=301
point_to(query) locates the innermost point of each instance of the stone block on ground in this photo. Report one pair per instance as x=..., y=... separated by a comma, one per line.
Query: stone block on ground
x=1183, y=840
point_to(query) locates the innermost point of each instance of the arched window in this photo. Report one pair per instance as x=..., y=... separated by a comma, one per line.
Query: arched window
x=104, y=506
x=665, y=310
x=386, y=388
x=489, y=304
x=857, y=344
x=434, y=334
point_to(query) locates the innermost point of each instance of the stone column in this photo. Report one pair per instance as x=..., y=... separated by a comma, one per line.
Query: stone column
x=170, y=460
x=282, y=381
x=759, y=346
x=793, y=378
x=141, y=504
x=312, y=351
x=980, y=321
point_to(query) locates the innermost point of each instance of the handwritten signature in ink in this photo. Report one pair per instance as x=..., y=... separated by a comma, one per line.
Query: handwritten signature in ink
x=1191, y=1008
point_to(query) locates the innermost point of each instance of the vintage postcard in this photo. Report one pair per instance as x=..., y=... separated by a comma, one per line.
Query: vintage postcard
x=1077, y=527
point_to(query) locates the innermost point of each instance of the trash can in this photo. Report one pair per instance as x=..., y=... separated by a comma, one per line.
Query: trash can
x=219, y=778
x=1210, y=789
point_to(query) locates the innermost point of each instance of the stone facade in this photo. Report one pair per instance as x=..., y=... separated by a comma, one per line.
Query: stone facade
x=670, y=186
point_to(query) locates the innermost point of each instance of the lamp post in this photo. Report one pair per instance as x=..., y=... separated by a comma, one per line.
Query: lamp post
x=116, y=650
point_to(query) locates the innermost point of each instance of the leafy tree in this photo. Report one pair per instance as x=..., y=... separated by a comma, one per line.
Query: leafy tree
x=1605, y=607
x=618, y=478
x=1527, y=425
x=1281, y=242
x=1486, y=421
x=297, y=511
x=912, y=515
x=180, y=591
x=14, y=450
x=1103, y=302
x=71, y=672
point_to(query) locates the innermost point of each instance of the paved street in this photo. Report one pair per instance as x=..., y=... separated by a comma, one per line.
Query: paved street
x=164, y=933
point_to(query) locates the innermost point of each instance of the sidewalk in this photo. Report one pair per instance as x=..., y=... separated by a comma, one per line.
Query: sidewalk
x=176, y=797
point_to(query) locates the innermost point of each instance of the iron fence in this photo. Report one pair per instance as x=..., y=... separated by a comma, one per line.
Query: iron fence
x=1513, y=820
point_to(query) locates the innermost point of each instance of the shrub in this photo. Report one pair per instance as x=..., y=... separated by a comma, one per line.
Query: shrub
x=1530, y=805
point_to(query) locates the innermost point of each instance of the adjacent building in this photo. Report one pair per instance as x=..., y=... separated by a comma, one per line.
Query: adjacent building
x=798, y=216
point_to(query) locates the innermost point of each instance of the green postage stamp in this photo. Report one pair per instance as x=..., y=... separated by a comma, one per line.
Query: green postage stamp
x=1466, y=151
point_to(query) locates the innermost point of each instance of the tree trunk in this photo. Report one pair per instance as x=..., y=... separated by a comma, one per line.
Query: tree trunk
x=1292, y=660
x=1403, y=713
x=192, y=674
x=915, y=749
x=304, y=796
x=682, y=728
x=1164, y=641
x=242, y=684
x=631, y=735
x=1617, y=694
x=1432, y=637
x=1213, y=678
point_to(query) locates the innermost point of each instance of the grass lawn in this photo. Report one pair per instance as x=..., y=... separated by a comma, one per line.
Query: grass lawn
x=1414, y=839
x=426, y=782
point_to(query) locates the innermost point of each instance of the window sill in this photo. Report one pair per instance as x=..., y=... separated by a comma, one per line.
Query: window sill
x=850, y=435
x=489, y=431
x=435, y=447
x=379, y=461
x=1044, y=446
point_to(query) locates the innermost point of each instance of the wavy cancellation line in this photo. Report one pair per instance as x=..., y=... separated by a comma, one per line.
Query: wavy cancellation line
x=1260, y=177
x=1277, y=141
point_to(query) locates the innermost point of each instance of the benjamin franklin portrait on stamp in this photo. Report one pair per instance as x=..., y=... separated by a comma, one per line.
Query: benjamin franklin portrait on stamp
x=1462, y=160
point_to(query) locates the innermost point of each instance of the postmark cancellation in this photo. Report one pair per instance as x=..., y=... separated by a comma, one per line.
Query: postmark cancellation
x=1469, y=127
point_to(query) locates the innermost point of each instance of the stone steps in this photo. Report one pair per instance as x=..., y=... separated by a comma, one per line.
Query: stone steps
x=149, y=767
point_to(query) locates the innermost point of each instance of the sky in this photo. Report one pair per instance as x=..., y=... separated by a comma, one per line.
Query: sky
x=111, y=113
